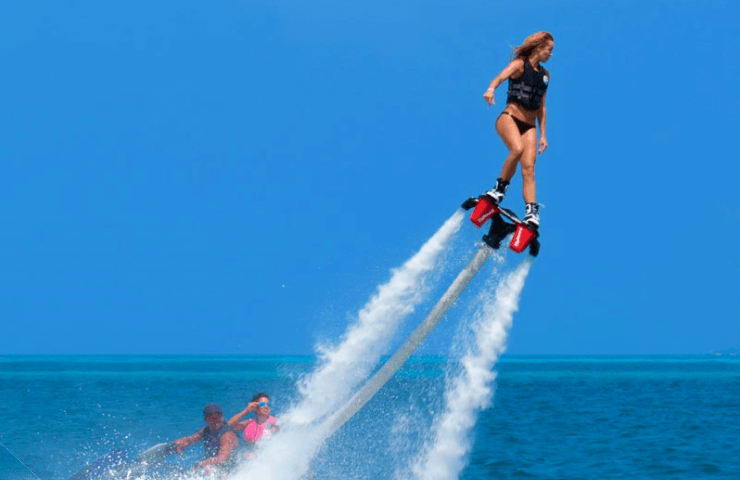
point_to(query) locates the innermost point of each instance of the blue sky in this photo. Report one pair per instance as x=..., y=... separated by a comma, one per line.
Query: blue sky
x=223, y=177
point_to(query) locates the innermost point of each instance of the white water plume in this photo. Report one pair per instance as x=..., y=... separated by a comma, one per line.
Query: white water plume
x=472, y=389
x=342, y=367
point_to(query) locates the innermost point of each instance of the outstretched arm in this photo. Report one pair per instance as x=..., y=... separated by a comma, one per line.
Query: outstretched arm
x=185, y=442
x=514, y=69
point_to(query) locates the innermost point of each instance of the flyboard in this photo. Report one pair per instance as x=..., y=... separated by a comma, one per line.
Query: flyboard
x=524, y=236
x=114, y=464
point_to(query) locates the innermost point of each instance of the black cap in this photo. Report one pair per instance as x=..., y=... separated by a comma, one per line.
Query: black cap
x=212, y=408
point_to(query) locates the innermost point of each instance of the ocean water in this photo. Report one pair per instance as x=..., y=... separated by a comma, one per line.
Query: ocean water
x=575, y=417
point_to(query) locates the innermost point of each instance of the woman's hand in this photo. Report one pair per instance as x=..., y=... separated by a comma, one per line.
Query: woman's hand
x=488, y=96
x=252, y=406
x=543, y=144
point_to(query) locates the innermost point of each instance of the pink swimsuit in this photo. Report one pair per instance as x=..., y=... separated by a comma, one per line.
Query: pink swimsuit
x=254, y=432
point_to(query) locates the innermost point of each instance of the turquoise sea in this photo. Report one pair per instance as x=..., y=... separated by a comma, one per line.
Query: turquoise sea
x=575, y=417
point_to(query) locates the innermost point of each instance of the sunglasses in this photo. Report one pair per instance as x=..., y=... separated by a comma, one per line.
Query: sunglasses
x=265, y=404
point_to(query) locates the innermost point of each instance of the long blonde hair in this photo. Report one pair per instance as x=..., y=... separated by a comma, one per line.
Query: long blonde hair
x=530, y=44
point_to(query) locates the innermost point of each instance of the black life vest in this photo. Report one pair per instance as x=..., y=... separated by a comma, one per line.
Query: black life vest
x=212, y=440
x=529, y=89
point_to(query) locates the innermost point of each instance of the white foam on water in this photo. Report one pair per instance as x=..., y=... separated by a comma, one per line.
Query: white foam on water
x=471, y=390
x=286, y=457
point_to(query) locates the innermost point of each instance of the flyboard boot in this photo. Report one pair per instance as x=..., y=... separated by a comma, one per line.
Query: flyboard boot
x=532, y=214
x=498, y=192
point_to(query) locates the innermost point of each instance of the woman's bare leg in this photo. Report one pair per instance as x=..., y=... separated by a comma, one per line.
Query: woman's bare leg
x=528, y=159
x=509, y=133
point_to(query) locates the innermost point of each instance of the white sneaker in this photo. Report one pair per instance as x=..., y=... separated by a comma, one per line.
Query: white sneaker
x=532, y=216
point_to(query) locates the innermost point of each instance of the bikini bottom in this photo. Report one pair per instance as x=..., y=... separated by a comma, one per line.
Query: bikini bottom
x=522, y=126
